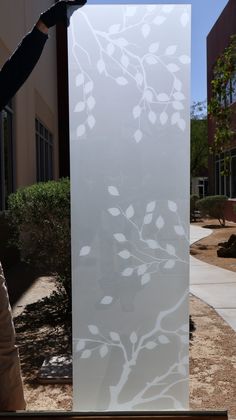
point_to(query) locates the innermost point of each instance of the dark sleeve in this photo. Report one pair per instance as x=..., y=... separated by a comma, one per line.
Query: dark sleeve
x=19, y=66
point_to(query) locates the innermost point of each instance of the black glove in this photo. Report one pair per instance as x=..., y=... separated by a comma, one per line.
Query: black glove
x=58, y=12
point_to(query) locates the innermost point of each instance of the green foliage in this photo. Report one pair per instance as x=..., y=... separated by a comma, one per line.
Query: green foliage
x=218, y=108
x=213, y=206
x=199, y=138
x=193, y=208
x=41, y=214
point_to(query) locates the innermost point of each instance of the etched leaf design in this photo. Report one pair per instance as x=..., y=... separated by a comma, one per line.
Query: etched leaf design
x=121, y=42
x=81, y=130
x=185, y=59
x=171, y=50
x=133, y=337
x=114, y=336
x=175, y=118
x=127, y=272
x=170, y=249
x=152, y=117
x=159, y=20
x=179, y=96
x=163, y=97
x=80, y=106
x=181, y=124
x=85, y=251
x=120, y=237
x=110, y=49
x=172, y=67
x=163, y=118
x=80, y=345
x=160, y=222
x=129, y=212
x=138, y=135
x=163, y=339
x=137, y=111
x=88, y=87
x=151, y=206
x=151, y=60
x=103, y=350
x=114, y=211
x=91, y=102
x=177, y=84
x=114, y=29
x=79, y=79
x=91, y=121
x=152, y=244
x=177, y=105
x=122, y=81
x=146, y=30
x=93, y=329
x=154, y=47
x=86, y=354
x=169, y=264
x=113, y=190
x=179, y=230
x=184, y=19
x=148, y=95
x=148, y=219
x=150, y=345
x=142, y=269
x=125, y=60
x=145, y=279
x=167, y=8
x=139, y=79
x=125, y=254
x=172, y=206
x=101, y=66
x=107, y=300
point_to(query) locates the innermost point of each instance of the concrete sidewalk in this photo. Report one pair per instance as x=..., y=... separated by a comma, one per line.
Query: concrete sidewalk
x=215, y=286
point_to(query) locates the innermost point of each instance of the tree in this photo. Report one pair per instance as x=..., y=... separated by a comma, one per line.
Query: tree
x=199, y=138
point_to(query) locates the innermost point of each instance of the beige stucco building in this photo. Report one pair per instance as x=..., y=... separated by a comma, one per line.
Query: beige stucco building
x=29, y=125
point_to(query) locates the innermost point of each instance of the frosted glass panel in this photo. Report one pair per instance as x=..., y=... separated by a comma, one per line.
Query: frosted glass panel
x=129, y=139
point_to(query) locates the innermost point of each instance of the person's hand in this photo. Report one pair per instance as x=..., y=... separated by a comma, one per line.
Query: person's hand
x=59, y=12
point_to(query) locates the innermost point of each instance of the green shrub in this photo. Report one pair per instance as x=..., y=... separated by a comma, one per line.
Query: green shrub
x=41, y=214
x=213, y=206
x=193, y=199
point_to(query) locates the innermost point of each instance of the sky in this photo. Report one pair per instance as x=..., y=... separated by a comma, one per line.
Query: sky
x=204, y=14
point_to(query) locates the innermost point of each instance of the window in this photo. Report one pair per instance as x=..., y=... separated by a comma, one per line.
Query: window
x=44, y=152
x=226, y=184
x=6, y=156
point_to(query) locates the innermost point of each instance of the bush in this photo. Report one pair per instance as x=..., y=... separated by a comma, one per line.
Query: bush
x=41, y=214
x=193, y=207
x=213, y=206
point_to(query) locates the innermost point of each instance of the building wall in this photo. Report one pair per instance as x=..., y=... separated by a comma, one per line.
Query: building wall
x=38, y=96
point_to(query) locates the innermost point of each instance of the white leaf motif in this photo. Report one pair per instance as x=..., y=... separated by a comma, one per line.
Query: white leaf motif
x=91, y=121
x=129, y=212
x=91, y=102
x=85, y=251
x=172, y=67
x=179, y=96
x=151, y=206
x=113, y=190
x=80, y=106
x=152, y=117
x=101, y=66
x=93, y=329
x=122, y=81
x=114, y=211
x=152, y=244
x=163, y=339
x=160, y=222
x=163, y=97
x=171, y=50
x=120, y=237
x=125, y=254
x=145, y=279
x=167, y=8
x=110, y=49
x=170, y=249
x=81, y=130
x=182, y=124
x=137, y=111
x=185, y=59
x=88, y=87
x=133, y=337
x=146, y=30
x=177, y=105
x=150, y=345
x=142, y=269
x=148, y=95
x=148, y=219
x=184, y=19
x=159, y=20
x=121, y=42
x=139, y=79
x=138, y=135
x=86, y=354
x=125, y=60
x=169, y=264
x=127, y=272
x=114, y=29
x=79, y=79
x=80, y=345
x=172, y=206
x=107, y=300
x=163, y=118
x=154, y=47
x=114, y=336
x=151, y=60
x=175, y=118
x=103, y=351
x=179, y=230
x=177, y=84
